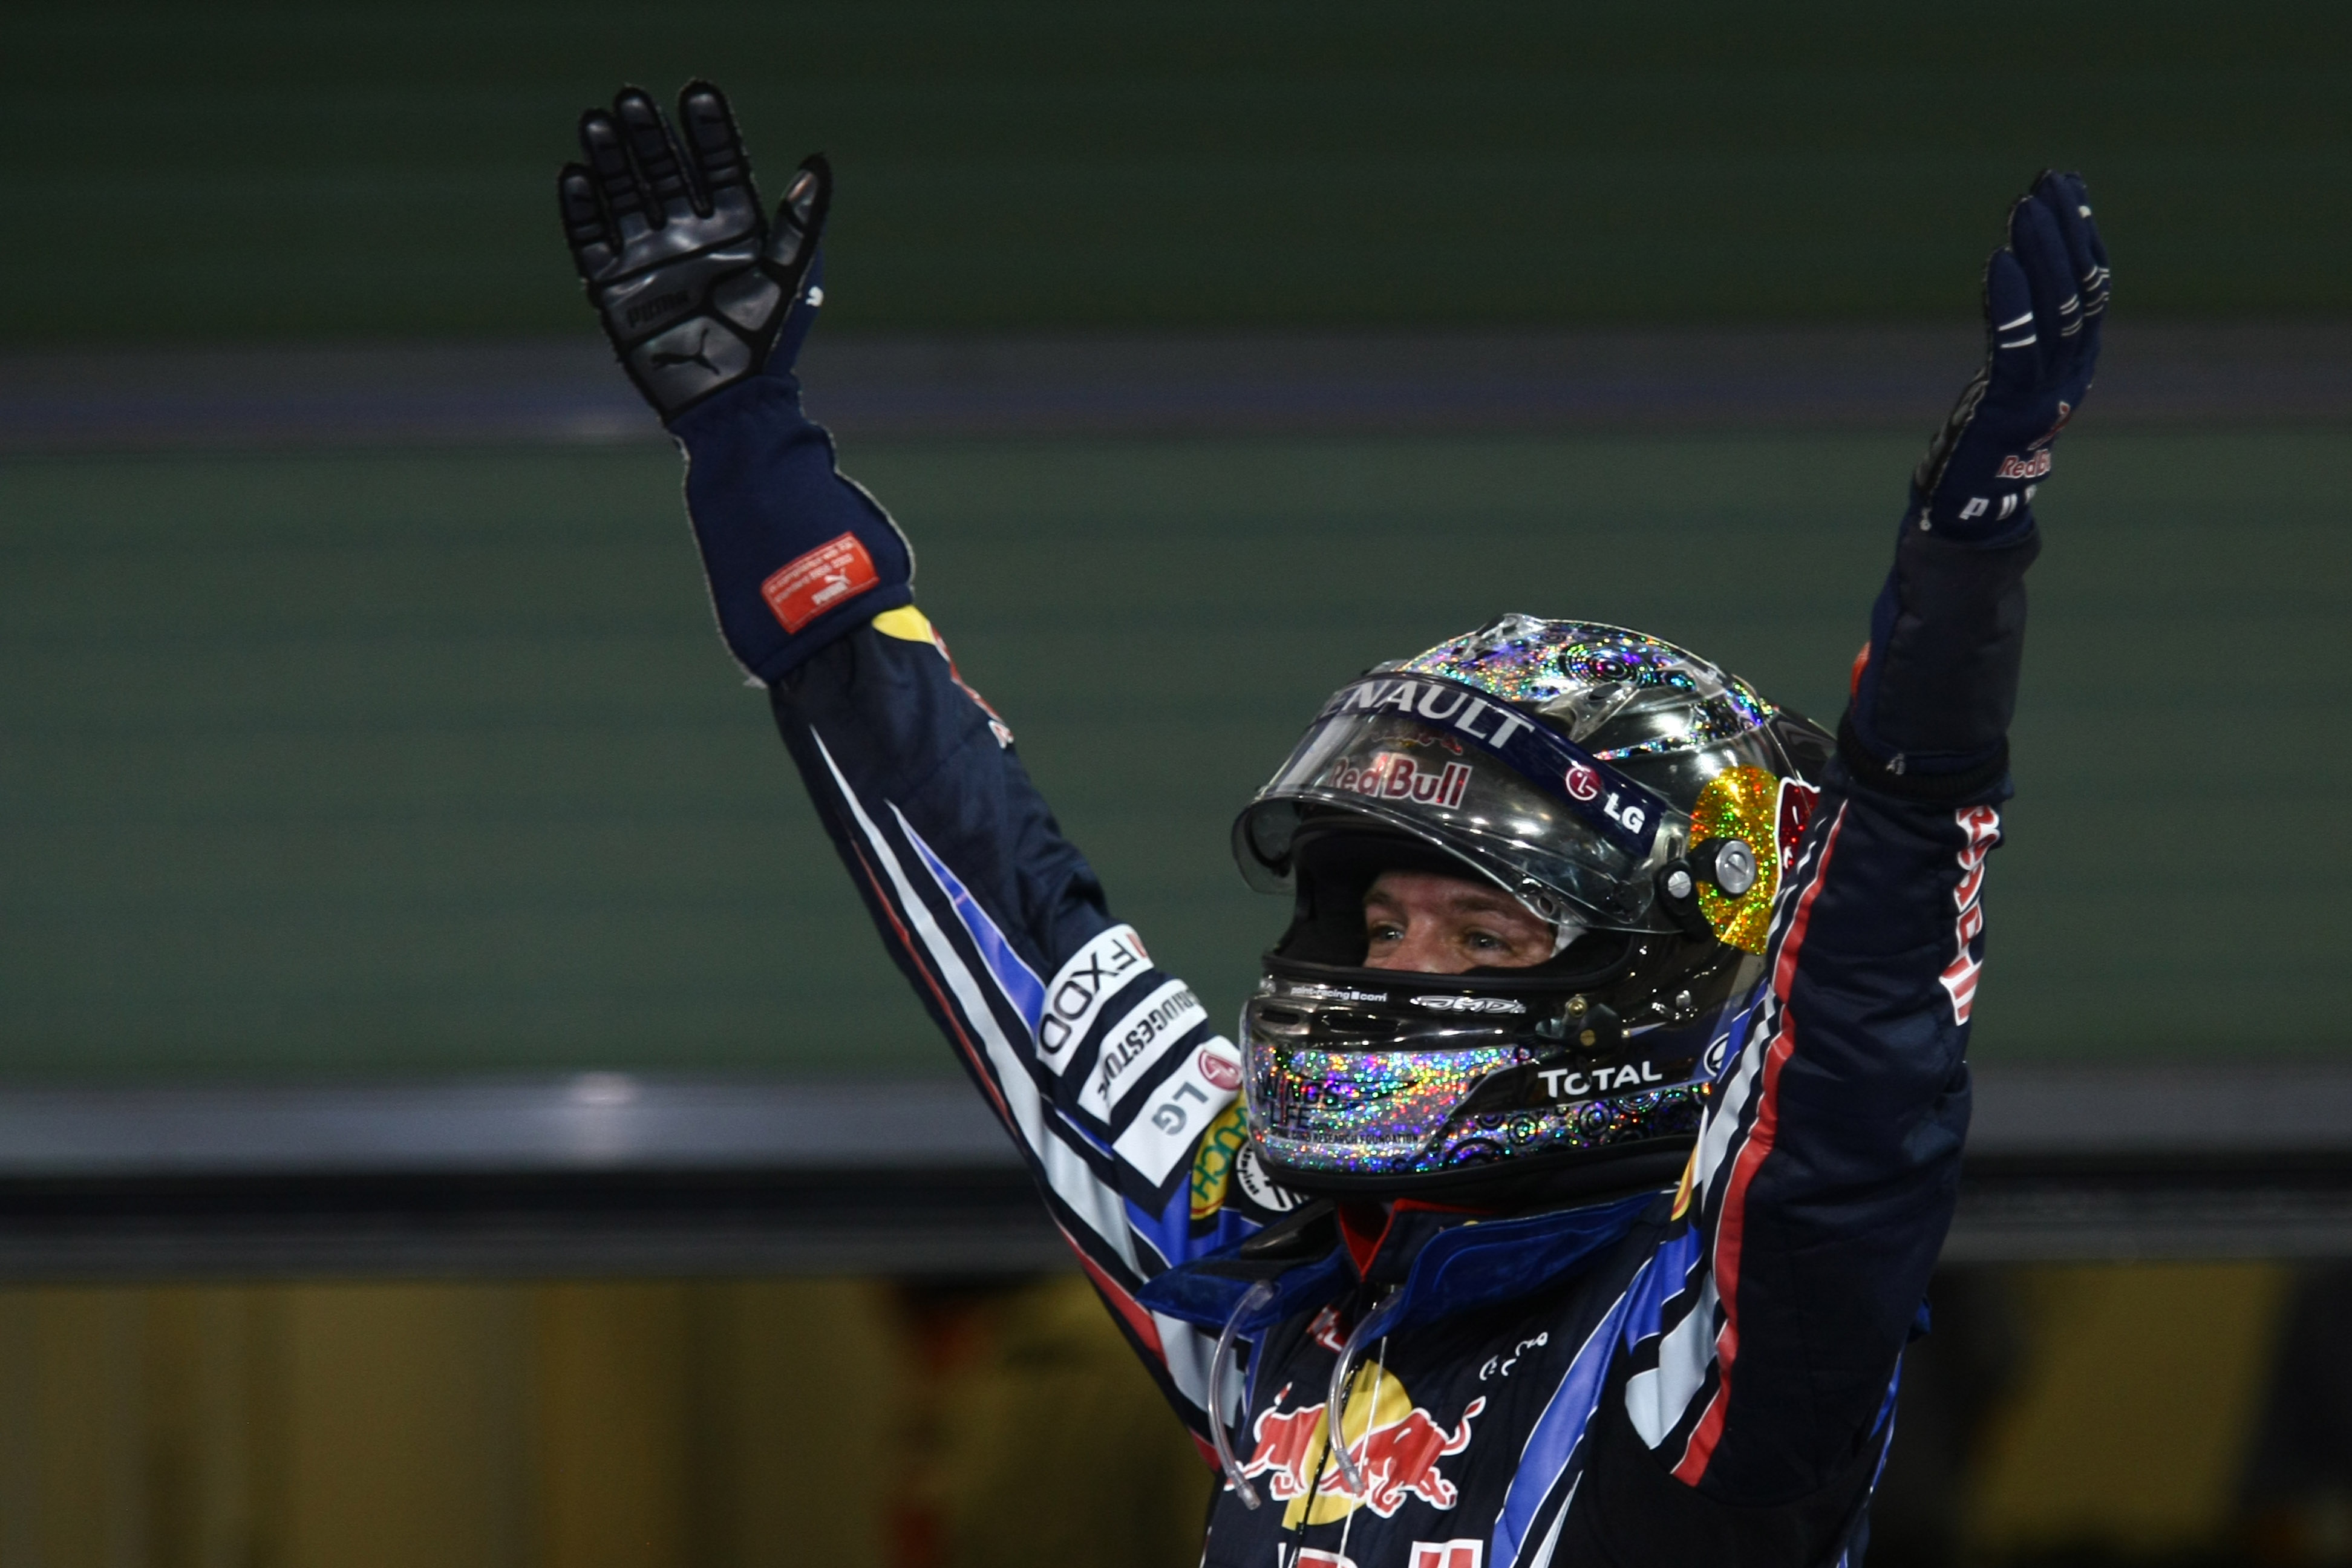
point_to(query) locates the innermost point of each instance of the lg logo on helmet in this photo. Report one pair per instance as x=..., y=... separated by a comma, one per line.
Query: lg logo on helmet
x=1583, y=782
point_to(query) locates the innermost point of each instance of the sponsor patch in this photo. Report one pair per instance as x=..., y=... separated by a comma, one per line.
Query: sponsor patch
x=1130, y=1046
x=1337, y=994
x=1504, y=1365
x=908, y=623
x=1395, y=1442
x=1718, y=1051
x=1981, y=824
x=1257, y=1184
x=1171, y=1120
x=1083, y=986
x=1620, y=810
x=1463, y=1553
x=1222, y=1147
x=1690, y=1177
x=832, y=574
x=1798, y=799
x=1469, y=1004
x=1392, y=775
x=1563, y=1083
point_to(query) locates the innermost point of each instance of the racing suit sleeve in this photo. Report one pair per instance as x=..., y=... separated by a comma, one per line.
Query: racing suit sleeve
x=1103, y=1069
x=1822, y=1187
x=1828, y=1166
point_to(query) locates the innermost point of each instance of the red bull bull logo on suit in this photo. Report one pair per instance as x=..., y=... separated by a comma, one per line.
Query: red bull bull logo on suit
x=1393, y=1441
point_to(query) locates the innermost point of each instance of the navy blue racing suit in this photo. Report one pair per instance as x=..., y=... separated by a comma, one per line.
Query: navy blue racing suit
x=1702, y=1375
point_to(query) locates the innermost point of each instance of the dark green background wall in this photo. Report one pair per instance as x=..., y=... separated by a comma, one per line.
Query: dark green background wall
x=428, y=761
x=220, y=170
x=433, y=762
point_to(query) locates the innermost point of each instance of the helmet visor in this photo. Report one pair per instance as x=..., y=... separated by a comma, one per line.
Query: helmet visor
x=1425, y=778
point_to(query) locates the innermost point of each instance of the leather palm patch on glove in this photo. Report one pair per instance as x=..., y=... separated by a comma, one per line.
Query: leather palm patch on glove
x=695, y=286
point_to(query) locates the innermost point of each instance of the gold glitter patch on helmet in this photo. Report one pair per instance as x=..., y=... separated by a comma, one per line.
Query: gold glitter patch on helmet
x=1742, y=804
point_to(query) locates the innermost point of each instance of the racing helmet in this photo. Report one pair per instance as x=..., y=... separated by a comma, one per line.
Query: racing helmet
x=1637, y=797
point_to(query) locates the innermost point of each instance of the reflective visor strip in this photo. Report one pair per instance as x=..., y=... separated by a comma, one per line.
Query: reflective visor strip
x=1626, y=813
x=1085, y=1202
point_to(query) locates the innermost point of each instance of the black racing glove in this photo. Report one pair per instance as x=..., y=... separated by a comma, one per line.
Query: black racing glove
x=1936, y=686
x=695, y=287
x=708, y=306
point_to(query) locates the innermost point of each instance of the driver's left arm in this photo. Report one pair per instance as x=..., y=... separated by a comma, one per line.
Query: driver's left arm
x=1826, y=1173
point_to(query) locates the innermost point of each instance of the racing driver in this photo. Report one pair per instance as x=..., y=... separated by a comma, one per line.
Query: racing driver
x=1570, y=1190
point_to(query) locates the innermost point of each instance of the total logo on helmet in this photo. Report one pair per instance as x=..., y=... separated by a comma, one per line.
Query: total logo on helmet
x=1395, y=1442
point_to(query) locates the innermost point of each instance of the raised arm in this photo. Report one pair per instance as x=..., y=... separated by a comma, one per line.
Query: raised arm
x=1105, y=1069
x=1825, y=1177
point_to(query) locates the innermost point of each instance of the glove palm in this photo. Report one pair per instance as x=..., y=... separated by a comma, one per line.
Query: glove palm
x=695, y=286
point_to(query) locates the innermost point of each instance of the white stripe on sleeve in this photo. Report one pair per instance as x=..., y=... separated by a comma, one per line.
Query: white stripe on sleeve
x=1067, y=1172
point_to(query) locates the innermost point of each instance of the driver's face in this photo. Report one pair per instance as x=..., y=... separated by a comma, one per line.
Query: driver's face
x=1444, y=925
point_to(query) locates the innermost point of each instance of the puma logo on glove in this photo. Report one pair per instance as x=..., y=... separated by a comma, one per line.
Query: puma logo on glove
x=695, y=286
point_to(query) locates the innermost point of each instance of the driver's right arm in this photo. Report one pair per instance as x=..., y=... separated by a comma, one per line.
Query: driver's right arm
x=1104, y=1070
x=1000, y=927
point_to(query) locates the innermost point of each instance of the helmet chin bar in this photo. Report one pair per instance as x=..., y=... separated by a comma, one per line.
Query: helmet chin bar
x=1391, y=1081
x=1586, y=1175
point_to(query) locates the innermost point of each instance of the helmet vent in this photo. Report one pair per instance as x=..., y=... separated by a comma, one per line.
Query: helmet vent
x=1587, y=708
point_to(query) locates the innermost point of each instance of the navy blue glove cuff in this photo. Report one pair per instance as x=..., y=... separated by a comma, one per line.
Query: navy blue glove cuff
x=1981, y=779
x=1937, y=686
x=797, y=555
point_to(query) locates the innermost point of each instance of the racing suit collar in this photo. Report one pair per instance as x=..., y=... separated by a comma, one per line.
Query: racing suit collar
x=1382, y=1239
x=1449, y=1261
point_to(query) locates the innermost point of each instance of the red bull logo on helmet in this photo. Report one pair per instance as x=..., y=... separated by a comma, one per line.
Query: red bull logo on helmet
x=1396, y=1444
x=1392, y=775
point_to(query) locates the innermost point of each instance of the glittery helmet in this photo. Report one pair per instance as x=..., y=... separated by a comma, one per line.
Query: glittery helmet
x=1632, y=794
